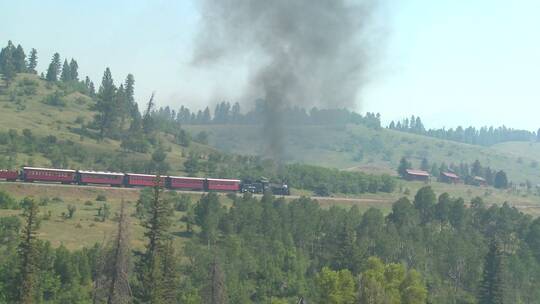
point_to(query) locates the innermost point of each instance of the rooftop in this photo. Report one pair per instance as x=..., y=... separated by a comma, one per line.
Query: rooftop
x=450, y=174
x=417, y=172
x=48, y=169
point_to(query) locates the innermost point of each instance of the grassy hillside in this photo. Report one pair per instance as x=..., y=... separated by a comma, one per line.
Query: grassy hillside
x=352, y=147
x=356, y=147
x=527, y=151
x=22, y=107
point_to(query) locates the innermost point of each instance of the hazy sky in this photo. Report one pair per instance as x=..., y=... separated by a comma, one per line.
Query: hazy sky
x=452, y=62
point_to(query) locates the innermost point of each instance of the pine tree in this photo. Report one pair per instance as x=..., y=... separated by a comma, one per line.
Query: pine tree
x=170, y=278
x=501, y=180
x=419, y=126
x=32, y=61
x=135, y=139
x=7, y=63
x=403, y=166
x=476, y=169
x=129, y=87
x=148, y=120
x=206, y=117
x=28, y=252
x=424, y=201
x=215, y=291
x=425, y=164
x=92, y=89
x=54, y=68
x=118, y=259
x=74, y=70
x=19, y=59
x=66, y=72
x=105, y=105
x=492, y=285
x=122, y=105
x=149, y=267
x=235, y=113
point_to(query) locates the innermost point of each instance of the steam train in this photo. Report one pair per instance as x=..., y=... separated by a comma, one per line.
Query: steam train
x=115, y=179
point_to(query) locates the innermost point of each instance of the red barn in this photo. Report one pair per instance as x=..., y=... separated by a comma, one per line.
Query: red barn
x=417, y=175
x=9, y=175
x=145, y=180
x=449, y=177
x=101, y=178
x=223, y=184
x=64, y=176
x=188, y=183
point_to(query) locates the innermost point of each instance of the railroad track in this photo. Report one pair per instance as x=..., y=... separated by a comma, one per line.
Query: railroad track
x=104, y=187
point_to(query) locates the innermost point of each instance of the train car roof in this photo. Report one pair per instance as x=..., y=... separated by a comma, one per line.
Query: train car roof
x=223, y=180
x=101, y=172
x=49, y=169
x=143, y=175
x=187, y=177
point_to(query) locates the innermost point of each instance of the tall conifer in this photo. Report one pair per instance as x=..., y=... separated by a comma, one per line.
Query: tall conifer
x=215, y=291
x=66, y=72
x=74, y=70
x=150, y=268
x=28, y=252
x=54, y=68
x=105, y=105
x=32, y=61
x=492, y=285
x=7, y=64
x=19, y=59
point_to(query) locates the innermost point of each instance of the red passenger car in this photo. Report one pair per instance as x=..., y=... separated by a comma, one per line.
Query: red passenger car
x=189, y=183
x=145, y=180
x=223, y=184
x=9, y=175
x=101, y=178
x=64, y=176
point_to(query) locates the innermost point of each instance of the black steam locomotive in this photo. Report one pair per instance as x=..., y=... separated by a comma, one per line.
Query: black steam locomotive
x=264, y=185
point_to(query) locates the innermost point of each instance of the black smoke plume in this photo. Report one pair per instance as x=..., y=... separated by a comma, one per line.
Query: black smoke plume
x=309, y=52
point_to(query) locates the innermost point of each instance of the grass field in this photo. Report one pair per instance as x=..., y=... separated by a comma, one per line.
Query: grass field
x=356, y=147
x=85, y=229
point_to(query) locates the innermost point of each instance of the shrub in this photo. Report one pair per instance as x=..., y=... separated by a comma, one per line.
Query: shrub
x=47, y=216
x=79, y=120
x=322, y=190
x=7, y=201
x=182, y=203
x=88, y=203
x=101, y=198
x=71, y=211
x=55, y=99
x=44, y=201
x=104, y=212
